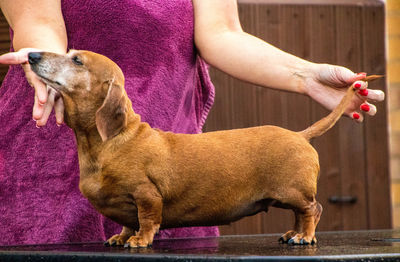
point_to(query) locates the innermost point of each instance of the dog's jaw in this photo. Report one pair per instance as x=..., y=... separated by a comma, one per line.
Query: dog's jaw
x=54, y=79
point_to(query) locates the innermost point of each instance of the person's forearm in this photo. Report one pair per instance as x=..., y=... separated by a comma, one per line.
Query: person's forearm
x=250, y=59
x=41, y=37
x=36, y=24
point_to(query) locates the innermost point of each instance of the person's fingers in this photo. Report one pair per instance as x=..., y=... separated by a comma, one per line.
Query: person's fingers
x=15, y=58
x=370, y=109
x=372, y=95
x=47, y=108
x=356, y=77
x=360, y=85
x=38, y=85
x=363, y=93
x=357, y=116
x=375, y=95
x=41, y=90
x=59, y=109
x=45, y=98
x=37, y=111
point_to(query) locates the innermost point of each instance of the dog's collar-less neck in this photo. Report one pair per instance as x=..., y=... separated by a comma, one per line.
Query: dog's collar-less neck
x=89, y=146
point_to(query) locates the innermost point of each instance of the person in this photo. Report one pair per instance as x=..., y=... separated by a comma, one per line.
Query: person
x=162, y=48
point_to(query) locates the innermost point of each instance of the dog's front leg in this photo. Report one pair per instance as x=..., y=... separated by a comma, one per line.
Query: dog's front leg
x=120, y=239
x=149, y=205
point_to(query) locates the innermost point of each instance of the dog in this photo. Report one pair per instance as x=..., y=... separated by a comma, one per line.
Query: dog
x=146, y=179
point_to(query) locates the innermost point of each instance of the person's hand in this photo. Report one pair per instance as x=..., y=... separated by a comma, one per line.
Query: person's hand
x=328, y=84
x=45, y=97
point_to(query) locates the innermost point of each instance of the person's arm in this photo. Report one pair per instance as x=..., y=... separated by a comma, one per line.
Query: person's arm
x=37, y=24
x=223, y=44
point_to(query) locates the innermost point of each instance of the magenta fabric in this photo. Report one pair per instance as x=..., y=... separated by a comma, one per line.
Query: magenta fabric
x=168, y=83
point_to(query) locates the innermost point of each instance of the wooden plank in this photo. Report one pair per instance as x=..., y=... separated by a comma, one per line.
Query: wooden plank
x=219, y=117
x=244, y=106
x=376, y=128
x=351, y=140
x=272, y=107
x=270, y=102
x=322, y=46
x=294, y=39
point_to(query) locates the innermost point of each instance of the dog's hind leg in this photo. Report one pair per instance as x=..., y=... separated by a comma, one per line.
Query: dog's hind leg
x=309, y=218
x=291, y=233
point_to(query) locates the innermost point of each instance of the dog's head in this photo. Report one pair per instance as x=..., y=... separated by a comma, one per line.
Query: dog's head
x=91, y=85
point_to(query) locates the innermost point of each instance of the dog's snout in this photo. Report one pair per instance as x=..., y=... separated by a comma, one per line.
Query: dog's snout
x=34, y=58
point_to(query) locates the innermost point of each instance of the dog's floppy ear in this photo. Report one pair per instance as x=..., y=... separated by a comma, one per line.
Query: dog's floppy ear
x=111, y=116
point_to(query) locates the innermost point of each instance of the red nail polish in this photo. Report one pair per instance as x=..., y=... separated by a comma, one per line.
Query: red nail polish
x=356, y=116
x=357, y=85
x=365, y=107
x=363, y=92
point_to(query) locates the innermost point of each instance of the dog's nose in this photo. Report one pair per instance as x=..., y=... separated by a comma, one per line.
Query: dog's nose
x=34, y=58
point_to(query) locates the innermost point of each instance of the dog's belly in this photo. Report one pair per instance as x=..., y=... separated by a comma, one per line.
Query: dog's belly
x=204, y=216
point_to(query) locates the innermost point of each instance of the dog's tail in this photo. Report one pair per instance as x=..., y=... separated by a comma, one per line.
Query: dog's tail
x=323, y=125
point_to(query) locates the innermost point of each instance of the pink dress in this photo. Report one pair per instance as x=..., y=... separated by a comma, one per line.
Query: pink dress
x=168, y=83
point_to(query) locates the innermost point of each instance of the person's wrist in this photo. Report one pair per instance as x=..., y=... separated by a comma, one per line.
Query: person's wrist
x=44, y=48
x=52, y=45
x=305, y=72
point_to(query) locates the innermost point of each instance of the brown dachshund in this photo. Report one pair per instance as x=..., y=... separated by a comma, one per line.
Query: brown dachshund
x=146, y=179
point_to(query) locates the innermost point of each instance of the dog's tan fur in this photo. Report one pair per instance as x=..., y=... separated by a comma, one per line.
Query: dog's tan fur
x=146, y=179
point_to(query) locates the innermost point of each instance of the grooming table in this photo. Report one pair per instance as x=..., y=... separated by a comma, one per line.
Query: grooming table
x=381, y=245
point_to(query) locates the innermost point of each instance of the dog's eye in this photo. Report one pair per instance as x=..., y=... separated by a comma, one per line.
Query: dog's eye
x=77, y=61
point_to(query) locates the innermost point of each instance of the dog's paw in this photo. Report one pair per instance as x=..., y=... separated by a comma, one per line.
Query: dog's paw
x=287, y=236
x=136, y=241
x=116, y=240
x=300, y=239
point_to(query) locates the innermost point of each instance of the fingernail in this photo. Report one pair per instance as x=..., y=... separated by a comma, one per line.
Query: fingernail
x=37, y=126
x=357, y=85
x=365, y=107
x=58, y=124
x=362, y=73
x=363, y=92
x=356, y=116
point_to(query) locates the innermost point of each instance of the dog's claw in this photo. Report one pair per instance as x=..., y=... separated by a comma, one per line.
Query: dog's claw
x=291, y=241
x=281, y=240
x=106, y=244
x=127, y=245
x=114, y=243
x=313, y=242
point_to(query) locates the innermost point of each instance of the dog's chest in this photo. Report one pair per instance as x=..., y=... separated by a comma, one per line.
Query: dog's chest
x=90, y=188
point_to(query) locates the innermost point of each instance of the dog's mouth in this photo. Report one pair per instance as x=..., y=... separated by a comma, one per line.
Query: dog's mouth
x=54, y=85
x=51, y=83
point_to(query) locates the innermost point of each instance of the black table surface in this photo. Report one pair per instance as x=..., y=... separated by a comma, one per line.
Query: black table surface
x=382, y=245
